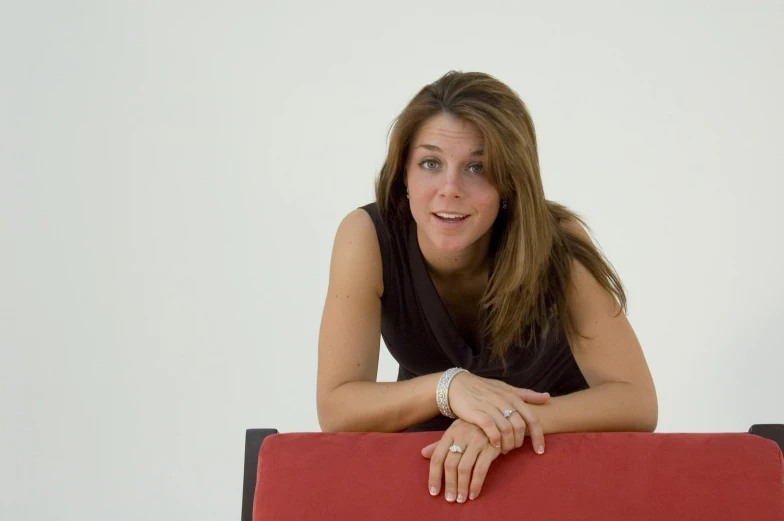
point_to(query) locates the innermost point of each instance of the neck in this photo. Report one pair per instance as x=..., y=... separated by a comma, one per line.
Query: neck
x=467, y=264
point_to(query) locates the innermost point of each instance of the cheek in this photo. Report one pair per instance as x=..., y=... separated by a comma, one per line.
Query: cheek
x=423, y=188
x=482, y=191
x=490, y=199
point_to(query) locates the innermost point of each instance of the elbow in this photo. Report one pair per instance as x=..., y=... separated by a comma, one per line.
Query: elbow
x=329, y=413
x=324, y=422
x=328, y=427
x=654, y=416
x=649, y=423
x=337, y=412
x=328, y=424
x=326, y=418
x=641, y=408
x=649, y=419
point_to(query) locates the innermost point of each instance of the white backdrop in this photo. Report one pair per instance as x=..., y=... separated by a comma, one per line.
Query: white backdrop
x=172, y=175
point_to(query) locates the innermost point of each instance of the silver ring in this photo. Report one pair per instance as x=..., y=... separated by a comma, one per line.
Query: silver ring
x=456, y=448
x=508, y=413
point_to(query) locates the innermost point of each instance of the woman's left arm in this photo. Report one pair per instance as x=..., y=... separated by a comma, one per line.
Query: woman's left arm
x=622, y=395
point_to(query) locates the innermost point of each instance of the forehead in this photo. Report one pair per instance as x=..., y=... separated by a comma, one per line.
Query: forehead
x=445, y=130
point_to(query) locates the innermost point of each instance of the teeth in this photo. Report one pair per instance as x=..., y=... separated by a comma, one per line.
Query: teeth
x=450, y=215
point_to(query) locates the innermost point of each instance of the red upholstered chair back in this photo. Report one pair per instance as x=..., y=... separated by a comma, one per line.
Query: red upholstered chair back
x=596, y=476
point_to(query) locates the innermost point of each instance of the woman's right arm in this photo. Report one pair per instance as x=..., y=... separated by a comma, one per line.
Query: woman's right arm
x=348, y=396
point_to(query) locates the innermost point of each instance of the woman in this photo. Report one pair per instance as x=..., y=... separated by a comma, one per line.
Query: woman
x=504, y=317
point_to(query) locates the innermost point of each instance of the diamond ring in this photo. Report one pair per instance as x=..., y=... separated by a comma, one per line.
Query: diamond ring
x=508, y=413
x=456, y=448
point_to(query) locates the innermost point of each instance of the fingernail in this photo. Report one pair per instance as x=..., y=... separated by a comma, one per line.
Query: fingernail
x=498, y=445
x=433, y=491
x=472, y=496
x=460, y=498
x=540, y=449
x=507, y=452
x=450, y=496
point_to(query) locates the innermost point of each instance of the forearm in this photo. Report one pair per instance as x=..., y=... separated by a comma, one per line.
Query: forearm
x=379, y=406
x=619, y=407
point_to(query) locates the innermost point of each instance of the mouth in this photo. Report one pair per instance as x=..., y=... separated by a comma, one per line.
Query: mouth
x=451, y=218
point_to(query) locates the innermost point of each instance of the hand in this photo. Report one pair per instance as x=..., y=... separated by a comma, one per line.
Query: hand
x=482, y=401
x=463, y=474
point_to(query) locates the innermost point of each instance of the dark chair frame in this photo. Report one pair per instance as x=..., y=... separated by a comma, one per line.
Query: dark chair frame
x=255, y=437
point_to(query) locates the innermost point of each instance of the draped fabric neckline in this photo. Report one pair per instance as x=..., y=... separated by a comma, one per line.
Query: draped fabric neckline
x=440, y=321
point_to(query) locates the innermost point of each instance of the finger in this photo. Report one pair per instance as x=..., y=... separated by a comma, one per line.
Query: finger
x=485, y=422
x=504, y=427
x=450, y=475
x=486, y=457
x=465, y=469
x=427, y=452
x=531, y=396
x=533, y=424
x=437, y=465
x=518, y=425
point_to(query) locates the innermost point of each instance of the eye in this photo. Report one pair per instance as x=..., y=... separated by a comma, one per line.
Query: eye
x=479, y=168
x=426, y=161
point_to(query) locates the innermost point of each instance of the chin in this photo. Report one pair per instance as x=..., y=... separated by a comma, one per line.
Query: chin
x=449, y=245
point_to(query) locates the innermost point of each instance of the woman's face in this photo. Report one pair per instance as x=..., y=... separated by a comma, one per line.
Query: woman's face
x=451, y=198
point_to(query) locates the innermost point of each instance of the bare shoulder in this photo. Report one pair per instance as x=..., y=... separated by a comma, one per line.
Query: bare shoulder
x=574, y=228
x=587, y=295
x=356, y=254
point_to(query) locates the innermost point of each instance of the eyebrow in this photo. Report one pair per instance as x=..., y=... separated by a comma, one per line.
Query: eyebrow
x=434, y=148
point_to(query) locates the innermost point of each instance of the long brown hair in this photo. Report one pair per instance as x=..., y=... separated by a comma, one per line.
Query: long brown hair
x=532, y=249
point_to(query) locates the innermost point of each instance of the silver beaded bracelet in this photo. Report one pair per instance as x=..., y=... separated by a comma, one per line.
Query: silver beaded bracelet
x=442, y=391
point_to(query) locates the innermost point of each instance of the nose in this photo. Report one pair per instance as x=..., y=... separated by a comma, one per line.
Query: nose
x=452, y=184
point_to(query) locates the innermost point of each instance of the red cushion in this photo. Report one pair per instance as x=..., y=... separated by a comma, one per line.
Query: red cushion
x=587, y=476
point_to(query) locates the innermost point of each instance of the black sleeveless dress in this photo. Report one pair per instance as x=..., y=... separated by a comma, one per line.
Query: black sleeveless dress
x=421, y=336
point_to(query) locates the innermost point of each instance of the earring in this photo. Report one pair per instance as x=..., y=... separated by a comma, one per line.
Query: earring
x=407, y=196
x=503, y=204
